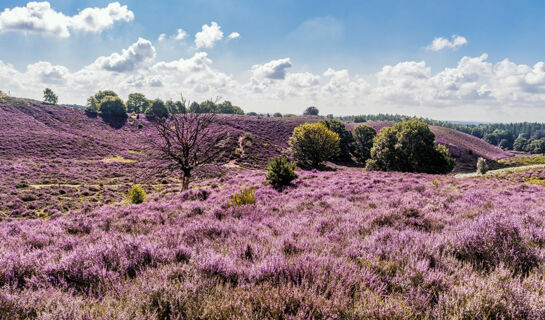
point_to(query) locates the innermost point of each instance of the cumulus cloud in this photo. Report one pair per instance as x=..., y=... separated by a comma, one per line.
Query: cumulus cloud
x=130, y=59
x=208, y=36
x=162, y=37
x=180, y=34
x=275, y=69
x=441, y=43
x=39, y=17
x=233, y=35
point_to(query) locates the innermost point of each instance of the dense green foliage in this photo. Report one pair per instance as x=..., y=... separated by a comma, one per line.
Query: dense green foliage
x=409, y=146
x=346, y=142
x=311, y=111
x=157, y=110
x=50, y=97
x=136, y=194
x=244, y=197
x=363, y=142
x=209, y=106
x=281, y=172
x=112, y=106
x=137, y=103
x=312, y=144
x=520, y=136
x=94, y=102
x=175, y=107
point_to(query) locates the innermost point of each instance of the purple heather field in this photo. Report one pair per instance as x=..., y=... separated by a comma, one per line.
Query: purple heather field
x=339, y=244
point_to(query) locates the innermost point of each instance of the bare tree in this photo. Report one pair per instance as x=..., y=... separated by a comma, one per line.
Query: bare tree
x=183, y=142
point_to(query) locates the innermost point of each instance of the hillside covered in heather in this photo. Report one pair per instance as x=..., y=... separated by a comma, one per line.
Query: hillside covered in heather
x=338, y=243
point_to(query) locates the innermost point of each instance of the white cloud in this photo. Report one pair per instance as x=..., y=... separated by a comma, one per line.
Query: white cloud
x=162, y=37
x=233, y=35
x=208, y=36
x=275, y=69
x=39, y=17
x=129, y=59
x=441, y=43
x=180, y=34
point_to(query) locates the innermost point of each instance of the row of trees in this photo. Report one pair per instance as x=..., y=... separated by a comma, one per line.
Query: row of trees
x=108, y=103
x=519, y=136
x=407, y=146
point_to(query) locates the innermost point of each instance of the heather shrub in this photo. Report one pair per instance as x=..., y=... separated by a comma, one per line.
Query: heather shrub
x=244, y=197
x=482, y=166
x=363, y=142
x=491, y=240
x=346, y=142
x=312, y=144
x=409, y=146
x=136, y=194
x=281, y=172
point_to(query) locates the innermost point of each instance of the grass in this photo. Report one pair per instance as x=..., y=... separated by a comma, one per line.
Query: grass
x=117, y=159
x=522, y=161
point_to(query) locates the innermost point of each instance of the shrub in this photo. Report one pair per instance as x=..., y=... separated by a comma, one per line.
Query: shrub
x=244, y=197
x=112, y=107
x=482, y=167
x=312, y=144
x=311, y=111
x=346, y=142
x=409, y=146
x=157, y=109
x=136, y=194
x=281, y=172
x=363, y=142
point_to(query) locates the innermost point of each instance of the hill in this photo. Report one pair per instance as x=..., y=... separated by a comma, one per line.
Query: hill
x=30, y=128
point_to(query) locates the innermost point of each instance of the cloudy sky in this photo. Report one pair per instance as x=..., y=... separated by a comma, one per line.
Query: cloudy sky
x=456, y=60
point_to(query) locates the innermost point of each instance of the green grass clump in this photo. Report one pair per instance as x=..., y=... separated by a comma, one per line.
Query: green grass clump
x=244, y=197
x=136, y=194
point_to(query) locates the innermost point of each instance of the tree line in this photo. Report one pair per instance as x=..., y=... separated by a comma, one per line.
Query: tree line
x=518, y=136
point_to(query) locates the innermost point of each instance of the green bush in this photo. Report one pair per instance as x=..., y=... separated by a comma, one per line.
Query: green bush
x=157, y=109
x=312, y=144
x=244, y=197
x=281, y=172
x=409, y=146
x=363, y=142
x=136, y=194
x=346, y=142
x=112, y=107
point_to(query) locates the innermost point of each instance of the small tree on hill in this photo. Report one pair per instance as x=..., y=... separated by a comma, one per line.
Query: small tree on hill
x=312, y=144
x=157, y=109
x=363, y=142
x=137, y=103
x=409, y=146
x=311, y=111
x=114, y=107
x=184, y=142
x=50, y=97
x=346, y=142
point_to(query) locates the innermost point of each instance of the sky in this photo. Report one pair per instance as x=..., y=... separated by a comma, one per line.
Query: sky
x=446, y=60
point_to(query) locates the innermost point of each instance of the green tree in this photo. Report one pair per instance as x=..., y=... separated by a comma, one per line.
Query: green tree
x=363, y=142
x=111, y=106
x=157, y=109
x=137, y=103
x=521, y=142
x=92, y=105
x=175, y=107
x=227, y=108
x=409, y=146
x=194, y=107
x=281, y=172
x=311, y=111
x=50, y=97
x=346, y=142
x=312, y=144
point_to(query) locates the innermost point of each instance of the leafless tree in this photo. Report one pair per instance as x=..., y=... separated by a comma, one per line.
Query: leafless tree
x=183, y=142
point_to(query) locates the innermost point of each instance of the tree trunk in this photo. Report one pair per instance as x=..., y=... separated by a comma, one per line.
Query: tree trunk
x=185, y=180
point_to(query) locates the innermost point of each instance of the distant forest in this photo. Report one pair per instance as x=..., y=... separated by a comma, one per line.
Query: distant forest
x=520, y=136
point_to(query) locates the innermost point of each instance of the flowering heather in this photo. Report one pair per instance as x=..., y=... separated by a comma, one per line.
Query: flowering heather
x=339, y=244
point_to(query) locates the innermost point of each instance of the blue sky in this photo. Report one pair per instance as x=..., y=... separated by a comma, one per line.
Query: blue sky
x=346, y=57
